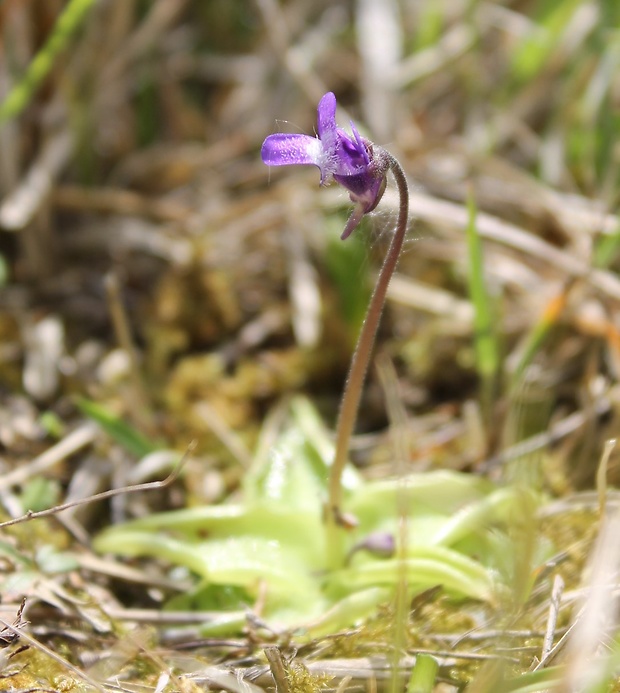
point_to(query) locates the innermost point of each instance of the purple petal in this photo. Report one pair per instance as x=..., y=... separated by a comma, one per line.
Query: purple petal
x=361, y=147
x=364, y=186
x=283, y=150
x=326, y=121
x=352, y=157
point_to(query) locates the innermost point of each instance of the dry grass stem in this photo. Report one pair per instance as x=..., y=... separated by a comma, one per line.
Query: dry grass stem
x=104, y=495
x=33, y=642
x=554, y=608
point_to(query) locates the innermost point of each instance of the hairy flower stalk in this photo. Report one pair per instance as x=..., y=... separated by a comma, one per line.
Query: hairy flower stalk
x=361, y=167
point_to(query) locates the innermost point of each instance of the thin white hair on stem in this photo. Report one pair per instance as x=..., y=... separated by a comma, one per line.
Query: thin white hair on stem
x=384, y=219
x=289, y=124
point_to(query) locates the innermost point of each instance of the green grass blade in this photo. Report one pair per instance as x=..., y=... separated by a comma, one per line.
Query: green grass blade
x=607, y=248
x=21, y=94
x=535, y=681
x=347, y=265
x=126, y=435
x=359, y=605
x=486, y=340
x=540, y=332
x=551, y=20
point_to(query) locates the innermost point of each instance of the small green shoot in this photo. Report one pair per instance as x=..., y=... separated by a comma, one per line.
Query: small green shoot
x=53, y=424
x=39, y=493
x=423, y=675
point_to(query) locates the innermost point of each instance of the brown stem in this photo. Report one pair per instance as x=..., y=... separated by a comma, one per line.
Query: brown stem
x=350, y=402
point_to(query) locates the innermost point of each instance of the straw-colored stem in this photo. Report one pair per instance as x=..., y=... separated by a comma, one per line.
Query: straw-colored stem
x=350, y=402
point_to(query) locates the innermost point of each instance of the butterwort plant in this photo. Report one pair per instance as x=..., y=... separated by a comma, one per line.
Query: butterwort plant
x=361, y=167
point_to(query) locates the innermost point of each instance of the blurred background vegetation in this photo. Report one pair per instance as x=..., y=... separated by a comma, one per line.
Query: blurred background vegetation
x=156, y=275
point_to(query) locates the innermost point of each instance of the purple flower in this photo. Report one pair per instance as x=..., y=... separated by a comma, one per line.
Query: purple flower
x=350, y=161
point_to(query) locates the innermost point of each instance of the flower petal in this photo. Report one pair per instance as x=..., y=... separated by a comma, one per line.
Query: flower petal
x=361, y=147
x=364, y=186
x=283, y=150
x=326, y=121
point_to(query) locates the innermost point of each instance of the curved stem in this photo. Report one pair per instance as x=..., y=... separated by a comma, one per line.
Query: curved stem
x=351, y=397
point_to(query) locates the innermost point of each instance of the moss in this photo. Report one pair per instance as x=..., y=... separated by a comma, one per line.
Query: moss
x=303, y=681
